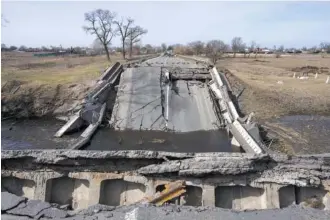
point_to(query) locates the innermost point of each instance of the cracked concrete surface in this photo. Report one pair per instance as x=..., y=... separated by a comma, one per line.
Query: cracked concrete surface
x=140, y=103
x=148, y=212
x=280, y=169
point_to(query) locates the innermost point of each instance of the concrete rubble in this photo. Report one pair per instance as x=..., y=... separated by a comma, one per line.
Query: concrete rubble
x=23, y=209
x=308, y=170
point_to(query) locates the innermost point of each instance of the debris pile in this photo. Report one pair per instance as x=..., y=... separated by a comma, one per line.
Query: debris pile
x=18, y=208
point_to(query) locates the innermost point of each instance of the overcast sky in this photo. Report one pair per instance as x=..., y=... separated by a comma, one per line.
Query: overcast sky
x=293, y=24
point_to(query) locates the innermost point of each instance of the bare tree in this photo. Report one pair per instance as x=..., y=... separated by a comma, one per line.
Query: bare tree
x=97, y=46
x=123, y=31
x=133, y=37
x=197, y=47
x=149, y=49
x=252, y=47
x=164, y=47
x=215, y=49
x=325, y=46
x=101, y=24
x=22, y=48
x=237, y=45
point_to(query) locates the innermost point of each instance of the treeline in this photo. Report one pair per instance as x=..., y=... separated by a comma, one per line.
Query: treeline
x=215, y=49
x=94, y=49
x=52, y=49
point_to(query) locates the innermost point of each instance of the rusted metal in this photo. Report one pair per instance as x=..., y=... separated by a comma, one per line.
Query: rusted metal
x=171, y=191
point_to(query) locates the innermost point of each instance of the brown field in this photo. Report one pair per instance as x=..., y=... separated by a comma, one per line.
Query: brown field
x=36, y=86
x=271, y=92
x=52, y=70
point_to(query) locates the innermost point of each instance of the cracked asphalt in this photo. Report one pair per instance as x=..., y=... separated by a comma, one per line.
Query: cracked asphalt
x=141, y=105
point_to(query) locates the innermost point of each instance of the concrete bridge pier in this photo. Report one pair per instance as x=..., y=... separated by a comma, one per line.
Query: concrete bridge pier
x=208, y=195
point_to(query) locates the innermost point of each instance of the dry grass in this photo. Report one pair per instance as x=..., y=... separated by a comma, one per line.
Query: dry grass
x=52, y=70
x=272, y=90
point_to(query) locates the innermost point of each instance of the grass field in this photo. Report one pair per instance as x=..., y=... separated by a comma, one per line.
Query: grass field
x=52, y=70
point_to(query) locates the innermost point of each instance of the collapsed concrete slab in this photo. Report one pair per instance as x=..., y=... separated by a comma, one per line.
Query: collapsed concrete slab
x=138, y=104
x=272, y=181
x=10, y=201
x=144, y=212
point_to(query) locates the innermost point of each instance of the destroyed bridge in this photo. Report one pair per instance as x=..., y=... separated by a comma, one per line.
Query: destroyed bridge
x=180, y=138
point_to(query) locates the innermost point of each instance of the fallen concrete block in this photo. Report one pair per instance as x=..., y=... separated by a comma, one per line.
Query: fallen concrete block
x=32, y=208
x=9, y=201
x=52, y=213
x=74, y=123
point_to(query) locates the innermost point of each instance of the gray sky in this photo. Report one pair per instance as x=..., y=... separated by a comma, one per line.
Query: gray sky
x=293, y=24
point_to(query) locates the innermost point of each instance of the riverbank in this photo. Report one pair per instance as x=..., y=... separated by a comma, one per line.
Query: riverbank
x=43, y=86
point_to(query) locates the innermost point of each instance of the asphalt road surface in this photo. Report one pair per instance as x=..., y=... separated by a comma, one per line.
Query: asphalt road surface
x=140, y=103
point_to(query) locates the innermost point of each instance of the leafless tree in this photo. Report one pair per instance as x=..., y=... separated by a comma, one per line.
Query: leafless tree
x=164, y=47
x=123, y=28
x=280, y=49
x=101, y=24
x=133, y=37
x=325, y=46
x=252, y=47
x=215, y=49
x=197, y=47
x=97, y=46
x=237, y=45
x=22, y=48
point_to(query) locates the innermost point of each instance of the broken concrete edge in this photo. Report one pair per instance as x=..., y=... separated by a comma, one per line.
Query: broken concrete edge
x=220, y=86
x=140, y=60
x=53, y=155
x=230, y=113
x=307, y=170
x=196, y=59
x=97, y=94
x=90, y=130
x=21, y=208
x=248, y=141
x=109, y=71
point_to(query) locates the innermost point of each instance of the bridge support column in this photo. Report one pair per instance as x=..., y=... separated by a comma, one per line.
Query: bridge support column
x=40, y=192
x=271, y=196
x=208, y=196
x=94, y=191
x=150, y=188
x=43, y=185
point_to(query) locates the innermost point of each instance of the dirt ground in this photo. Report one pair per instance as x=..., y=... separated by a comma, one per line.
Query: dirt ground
x=38, y=86
x=271, y=91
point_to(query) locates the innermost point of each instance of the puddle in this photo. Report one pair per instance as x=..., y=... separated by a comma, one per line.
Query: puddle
x=39, y=134
x=313, y=130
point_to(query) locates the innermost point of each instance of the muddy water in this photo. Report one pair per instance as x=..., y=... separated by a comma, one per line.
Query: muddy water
x=312, y=133
x=38, y=134
x=33, y=134
x=197, y=141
